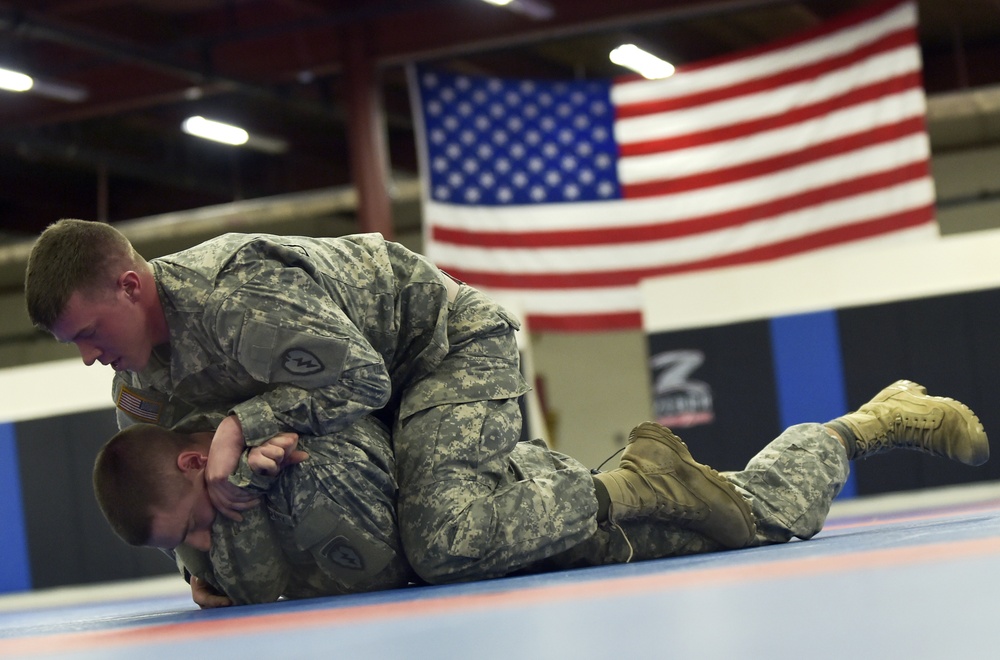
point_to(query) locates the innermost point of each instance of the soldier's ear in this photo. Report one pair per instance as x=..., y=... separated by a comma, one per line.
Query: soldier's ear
x=191, y=461
x=131, y=284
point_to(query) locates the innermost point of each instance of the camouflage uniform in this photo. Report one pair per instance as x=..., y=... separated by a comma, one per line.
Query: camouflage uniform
x=327, y=526
x=310, y=335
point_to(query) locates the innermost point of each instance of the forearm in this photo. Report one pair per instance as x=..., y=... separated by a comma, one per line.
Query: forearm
x=317, y=412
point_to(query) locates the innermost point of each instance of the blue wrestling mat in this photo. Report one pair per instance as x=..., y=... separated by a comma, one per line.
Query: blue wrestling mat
x=907, y=582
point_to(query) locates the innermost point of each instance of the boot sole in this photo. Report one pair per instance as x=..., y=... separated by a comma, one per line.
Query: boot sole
x=664, y=436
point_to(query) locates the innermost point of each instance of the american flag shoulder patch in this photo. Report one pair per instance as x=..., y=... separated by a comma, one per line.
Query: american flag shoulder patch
x=138, y=406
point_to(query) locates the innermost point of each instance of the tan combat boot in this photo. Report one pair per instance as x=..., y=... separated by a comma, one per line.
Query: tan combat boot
x=903, y=415
x=658, y=479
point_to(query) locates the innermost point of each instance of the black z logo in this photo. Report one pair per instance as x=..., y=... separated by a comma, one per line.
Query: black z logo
x=301, y=362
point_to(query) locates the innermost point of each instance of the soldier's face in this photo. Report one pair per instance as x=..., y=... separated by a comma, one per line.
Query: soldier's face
x=188, y=520
x=108, y=327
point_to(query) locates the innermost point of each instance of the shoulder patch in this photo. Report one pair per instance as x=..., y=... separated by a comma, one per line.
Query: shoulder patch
x=340, y=552
x=137, y=406
x=300, y=362
x=275, y=354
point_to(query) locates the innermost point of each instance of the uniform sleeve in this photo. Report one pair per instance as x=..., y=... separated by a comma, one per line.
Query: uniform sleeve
x=244, y=476
x=288, y=332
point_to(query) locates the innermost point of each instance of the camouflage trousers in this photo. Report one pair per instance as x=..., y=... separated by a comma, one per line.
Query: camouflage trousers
x=790, y=484
x=497, y=508
x=474, y=502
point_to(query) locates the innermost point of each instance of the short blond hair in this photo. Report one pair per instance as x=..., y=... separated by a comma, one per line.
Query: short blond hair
x=69, y=256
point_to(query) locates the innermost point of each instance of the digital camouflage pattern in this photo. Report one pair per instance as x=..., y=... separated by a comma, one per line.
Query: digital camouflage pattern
x=291, y=333
x=478, y=503
x=310, y=335
x=326, y=526
x=790, y=484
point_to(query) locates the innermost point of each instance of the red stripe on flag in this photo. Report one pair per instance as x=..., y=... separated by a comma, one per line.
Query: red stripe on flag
x=816, y=240
x=758, y=168
x=578, y=322
x=893, y=41
x=688, y=227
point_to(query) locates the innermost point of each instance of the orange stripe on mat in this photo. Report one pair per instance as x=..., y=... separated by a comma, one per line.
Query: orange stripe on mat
x=891, y=518
x=624, y=586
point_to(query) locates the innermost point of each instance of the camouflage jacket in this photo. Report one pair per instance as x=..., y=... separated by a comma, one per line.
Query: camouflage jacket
x=292, y=333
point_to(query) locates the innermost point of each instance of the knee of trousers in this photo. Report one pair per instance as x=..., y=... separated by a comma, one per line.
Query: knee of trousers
x=448, y=550
x=793, y=481
x=432, y=566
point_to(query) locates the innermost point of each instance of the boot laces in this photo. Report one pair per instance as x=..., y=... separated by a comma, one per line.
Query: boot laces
x=904, y=432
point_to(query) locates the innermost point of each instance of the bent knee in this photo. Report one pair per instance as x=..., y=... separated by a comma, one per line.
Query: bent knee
x=434, y=569
x=453, y=549
x=435, y=562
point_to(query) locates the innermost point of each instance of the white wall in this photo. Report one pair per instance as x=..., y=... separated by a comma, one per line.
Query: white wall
x=53, y=388
x=596, y=389
x=823, y=280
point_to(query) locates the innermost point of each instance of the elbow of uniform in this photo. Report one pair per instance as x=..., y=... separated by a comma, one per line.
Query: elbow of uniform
x=383, y=394
x=373, y=390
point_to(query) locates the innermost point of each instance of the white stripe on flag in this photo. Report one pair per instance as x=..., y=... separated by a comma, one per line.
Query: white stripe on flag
x=685, y=162
x=680, y=206
x=766, y=103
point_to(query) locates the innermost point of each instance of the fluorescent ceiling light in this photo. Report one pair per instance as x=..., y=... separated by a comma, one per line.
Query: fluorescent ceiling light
x=215, y=130
x=15, y=81
x=499, y=3
x=646, y=64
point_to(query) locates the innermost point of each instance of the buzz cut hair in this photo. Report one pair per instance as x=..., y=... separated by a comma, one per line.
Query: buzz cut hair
x=69, y=256
x=134, y=473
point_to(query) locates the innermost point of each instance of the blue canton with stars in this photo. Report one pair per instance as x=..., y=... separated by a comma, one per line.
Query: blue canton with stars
x=496, y=142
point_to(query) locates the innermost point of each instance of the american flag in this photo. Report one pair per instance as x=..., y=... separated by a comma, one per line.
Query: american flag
x=137, y=406
x=561, y=196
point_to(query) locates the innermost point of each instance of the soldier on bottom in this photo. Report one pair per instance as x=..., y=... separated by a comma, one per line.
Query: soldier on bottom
x=326, y=523
x=659, y=502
